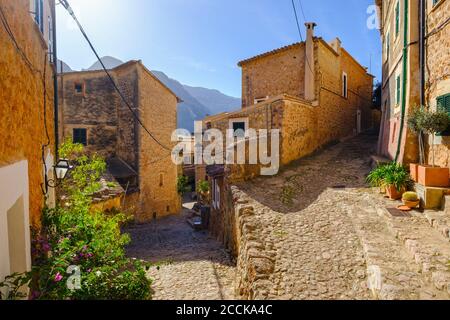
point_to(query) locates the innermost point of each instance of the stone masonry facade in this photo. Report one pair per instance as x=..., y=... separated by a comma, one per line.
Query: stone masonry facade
x=438, y=68
x=23, y=127
x=89, y=101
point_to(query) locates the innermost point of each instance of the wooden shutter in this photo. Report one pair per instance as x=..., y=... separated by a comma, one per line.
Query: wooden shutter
x=443, y=104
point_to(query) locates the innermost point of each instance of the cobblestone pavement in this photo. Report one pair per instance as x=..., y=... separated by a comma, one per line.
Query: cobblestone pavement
x=329, y=240
x=329, y=235
x=192, y=266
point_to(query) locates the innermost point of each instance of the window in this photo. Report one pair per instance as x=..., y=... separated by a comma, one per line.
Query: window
x=388, y=45
x=435, y=2
x=239, y=127
x=397, y=19
x=344, y=85
x=78, y=88
x=259, y=100
x=443, y=104
x=397, y=90
x=216, y=194
x=39, y=14
x=161, y=179
x=80, y=136
x=50, y=39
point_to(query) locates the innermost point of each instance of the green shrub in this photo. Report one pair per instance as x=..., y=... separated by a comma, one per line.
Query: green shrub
x=183, y=185
x=74, y=236
x=389, y=174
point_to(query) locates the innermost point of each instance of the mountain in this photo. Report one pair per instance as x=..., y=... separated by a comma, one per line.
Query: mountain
x=197, y=102
x=216, y=101
x=191, y=109
x=63, y=67
x=109, y=62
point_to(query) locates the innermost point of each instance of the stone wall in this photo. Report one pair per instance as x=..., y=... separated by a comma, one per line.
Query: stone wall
x=92, y=109
x=282, y=72
x=113, y=131
x=245, y=237
x=22, y=122
x=158, y=174
x=438, y=69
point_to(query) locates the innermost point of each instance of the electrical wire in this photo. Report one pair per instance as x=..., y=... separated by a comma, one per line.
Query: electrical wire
x=300, y=32
x=67, y=6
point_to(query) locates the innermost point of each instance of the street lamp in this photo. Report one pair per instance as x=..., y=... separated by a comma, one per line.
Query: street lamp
x=62, y=168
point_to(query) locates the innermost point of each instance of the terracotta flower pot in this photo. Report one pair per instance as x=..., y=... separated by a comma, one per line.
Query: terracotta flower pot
x=393, y=193
x=433, y=176
x=411, y=204
x=414, y=171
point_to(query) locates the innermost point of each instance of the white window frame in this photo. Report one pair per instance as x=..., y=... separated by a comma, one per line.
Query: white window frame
x=344, y=85
x=237, y=120
x=259, y=100
x=216, y=194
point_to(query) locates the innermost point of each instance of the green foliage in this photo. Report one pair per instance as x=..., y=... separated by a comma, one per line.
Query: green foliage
x=287, y=195
x=392, y=174
x=376, y=176
x=183, y=185
x=203, y=187
x=410, y=196
x=73, y=235
x=415, y=120
x=434, y=122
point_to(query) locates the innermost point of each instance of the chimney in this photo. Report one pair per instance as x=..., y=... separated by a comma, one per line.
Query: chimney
x=336, y=45
x=310, y=77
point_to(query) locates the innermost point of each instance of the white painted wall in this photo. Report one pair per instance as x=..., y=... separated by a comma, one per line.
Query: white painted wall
x=13, y=186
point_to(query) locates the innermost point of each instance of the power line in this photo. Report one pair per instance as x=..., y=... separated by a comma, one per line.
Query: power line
x=300, y=31
x=303, y=11
x=67, y=6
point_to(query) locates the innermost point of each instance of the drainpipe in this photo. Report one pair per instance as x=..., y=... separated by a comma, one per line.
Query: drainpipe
x=55, y=84
x=422, y=12
x=422, y=57
x=405, y=75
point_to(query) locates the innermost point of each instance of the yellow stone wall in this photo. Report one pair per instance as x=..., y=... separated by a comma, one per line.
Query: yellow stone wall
x=22, y=125
x=438, y=70
x=158, y=174
x=279, y=73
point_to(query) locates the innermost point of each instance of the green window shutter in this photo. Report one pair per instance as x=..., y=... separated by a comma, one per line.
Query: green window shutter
x=443, y=104
x=397, y=19
x=397, y=93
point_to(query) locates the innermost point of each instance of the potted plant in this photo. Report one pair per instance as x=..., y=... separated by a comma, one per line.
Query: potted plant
x=414, y=124
x=396, y=179
x=376, y=177
x=434, y=176
x=411, y=200
x=203, y=191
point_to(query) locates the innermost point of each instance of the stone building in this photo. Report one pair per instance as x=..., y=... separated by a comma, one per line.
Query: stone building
x=415, y=72
x=93, y=113
x=27, y=131
x=315, y=93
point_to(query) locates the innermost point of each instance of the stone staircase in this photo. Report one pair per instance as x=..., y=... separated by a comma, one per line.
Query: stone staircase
x=411, y=255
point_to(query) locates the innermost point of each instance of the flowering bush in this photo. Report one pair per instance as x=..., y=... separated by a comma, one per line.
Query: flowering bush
x=79, y=254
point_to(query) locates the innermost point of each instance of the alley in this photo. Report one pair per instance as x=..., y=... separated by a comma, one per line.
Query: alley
x=322, y=229
x=327, y=234
x=189, y=265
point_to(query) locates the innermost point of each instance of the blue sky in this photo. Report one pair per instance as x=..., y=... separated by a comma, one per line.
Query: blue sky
x=199, y=42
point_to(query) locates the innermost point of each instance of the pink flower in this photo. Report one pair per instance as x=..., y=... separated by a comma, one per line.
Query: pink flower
x=58, y=277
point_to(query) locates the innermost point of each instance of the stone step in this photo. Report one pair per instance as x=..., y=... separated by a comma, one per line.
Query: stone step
x=440, y=221
x=391, y=274
x=425, y=245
